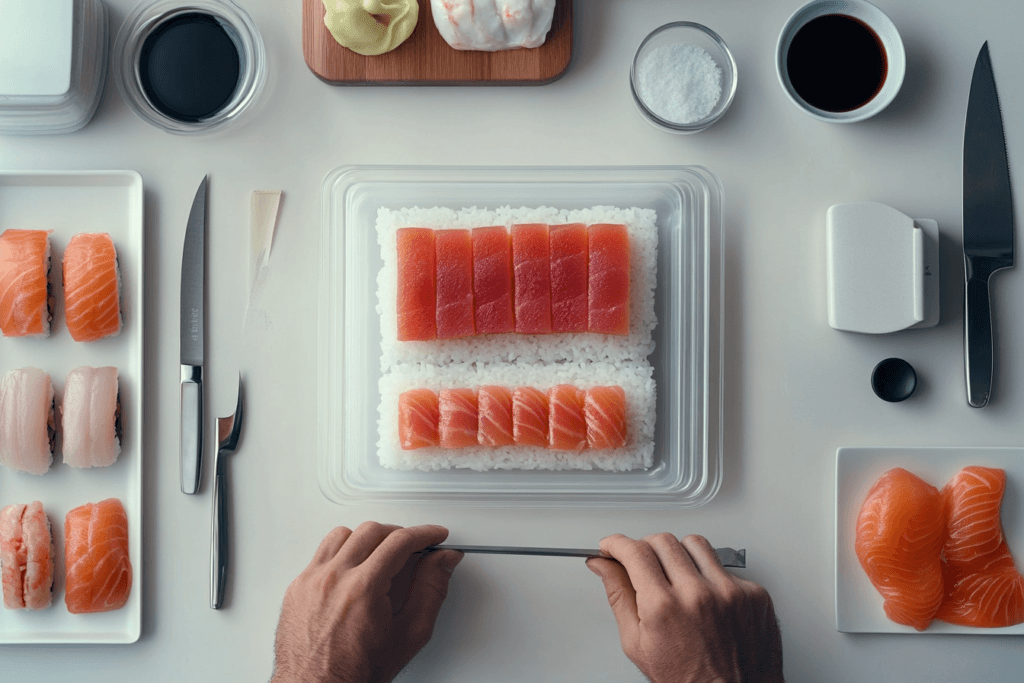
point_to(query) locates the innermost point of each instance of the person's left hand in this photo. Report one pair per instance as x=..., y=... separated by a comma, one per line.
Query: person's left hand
x=364, y=606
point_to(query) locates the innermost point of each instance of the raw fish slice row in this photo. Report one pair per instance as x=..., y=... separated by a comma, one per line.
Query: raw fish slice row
x=565, y=418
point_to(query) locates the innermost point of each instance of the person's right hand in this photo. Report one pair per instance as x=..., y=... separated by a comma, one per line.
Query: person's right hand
x=682, y=618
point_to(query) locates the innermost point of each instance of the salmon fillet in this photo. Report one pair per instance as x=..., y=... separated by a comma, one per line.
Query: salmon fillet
x=99, y=571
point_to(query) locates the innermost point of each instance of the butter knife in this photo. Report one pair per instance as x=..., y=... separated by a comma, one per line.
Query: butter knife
x=193, y=313
x=729, y=557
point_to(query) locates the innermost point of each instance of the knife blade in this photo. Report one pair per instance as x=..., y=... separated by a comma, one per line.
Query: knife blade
x=988, y=224
x=729, y=557
x=193, y=285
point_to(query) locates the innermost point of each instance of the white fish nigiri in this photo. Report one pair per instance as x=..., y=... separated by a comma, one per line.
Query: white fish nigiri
x=492, y=25
x=27, y=424
x=91, y=417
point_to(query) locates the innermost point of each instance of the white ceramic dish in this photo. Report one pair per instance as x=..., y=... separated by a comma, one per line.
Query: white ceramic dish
x=687, y=360
x=69, y=203
x=883, y=27
x=858, y=604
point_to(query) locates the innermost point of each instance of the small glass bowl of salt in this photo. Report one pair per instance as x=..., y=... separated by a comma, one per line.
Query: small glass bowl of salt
x=683, y=77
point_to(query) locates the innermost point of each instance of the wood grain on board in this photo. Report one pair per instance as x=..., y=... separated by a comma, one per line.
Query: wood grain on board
x=426, y=59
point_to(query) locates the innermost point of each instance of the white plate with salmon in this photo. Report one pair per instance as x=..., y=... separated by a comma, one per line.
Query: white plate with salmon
x=71, y=388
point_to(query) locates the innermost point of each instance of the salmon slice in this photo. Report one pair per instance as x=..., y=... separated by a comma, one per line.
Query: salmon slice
x=530, y=417
x=454, y=250
x=458, y=423
x=26, y=306
x=418, y=417
x=92, y=287
x=99, y=571
x=900, y=532
x=608, y=267
x=567, y=425
x=605, y=411
x=495, y=422
x=983, y=586
x=531, y=264
x=26, y=553
x=568, y=245
x=492, y=280
x=416, y=298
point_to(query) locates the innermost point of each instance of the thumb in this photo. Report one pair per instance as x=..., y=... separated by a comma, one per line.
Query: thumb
x=426, y=595
x=621, y=596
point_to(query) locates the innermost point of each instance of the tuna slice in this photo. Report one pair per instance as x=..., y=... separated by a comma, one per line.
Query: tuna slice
x=531, y=263
x=567, y=425
x=92, y=287
x=530, y=417
x=492, y=280
x=495, y=425
x=983, y=586
x=608, y=293
x=418, y=417
x=899, y=536
x=25, y=302
x=458, y=423
x=99, y=570
x=568, y=245
x=454, y=249
x=416, y=299
x=605, y=411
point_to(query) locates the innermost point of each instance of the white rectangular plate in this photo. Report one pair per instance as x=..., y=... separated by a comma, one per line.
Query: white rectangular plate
x=858, y=604
x=67, y=204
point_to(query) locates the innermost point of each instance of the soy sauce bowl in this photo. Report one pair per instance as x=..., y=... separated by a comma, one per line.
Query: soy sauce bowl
x=130, y=46
x=878, y=23
x=685, y=32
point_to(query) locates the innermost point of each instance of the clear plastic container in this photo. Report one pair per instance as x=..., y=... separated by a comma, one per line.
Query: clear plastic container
x=53, y=64
x=687, y=360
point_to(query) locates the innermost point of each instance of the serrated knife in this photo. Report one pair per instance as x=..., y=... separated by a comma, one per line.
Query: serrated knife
x=193, y=313
x=988, y=224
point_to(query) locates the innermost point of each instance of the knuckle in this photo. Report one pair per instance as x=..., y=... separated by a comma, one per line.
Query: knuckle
x=370, y=527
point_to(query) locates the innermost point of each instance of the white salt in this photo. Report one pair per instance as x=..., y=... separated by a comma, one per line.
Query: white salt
x=679, y=82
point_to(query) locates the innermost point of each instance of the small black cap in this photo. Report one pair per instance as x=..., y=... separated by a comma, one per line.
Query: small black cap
x=893, y=380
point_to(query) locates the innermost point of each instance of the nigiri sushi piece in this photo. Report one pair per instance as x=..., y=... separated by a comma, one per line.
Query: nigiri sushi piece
x=28, y=427
x=530, y=417
x=492, y=280
x=99, y=569
x=91, y=417
x=26, y=555
x=608, y=268
x=459, y=418
x=531, y=264
x=604, y=409
x=26, y=302
x=495, y=416
x=417, y=303
x=454, y=249
x=569, y=251
x=92, y=287
x=899, y=535
x=418, y=418
x=567, y=425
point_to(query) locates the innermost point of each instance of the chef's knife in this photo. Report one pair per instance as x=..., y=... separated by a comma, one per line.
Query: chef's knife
x=988, y=224
x=729, y=557
x=193, y=281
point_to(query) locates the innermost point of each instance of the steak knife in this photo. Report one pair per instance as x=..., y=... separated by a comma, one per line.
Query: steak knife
x=193, y=284
x=988, y=224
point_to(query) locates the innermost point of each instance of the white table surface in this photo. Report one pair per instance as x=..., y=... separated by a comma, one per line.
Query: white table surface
x=795, y=389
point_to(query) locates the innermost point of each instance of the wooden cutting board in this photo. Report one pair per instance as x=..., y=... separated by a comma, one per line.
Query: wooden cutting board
x=426, y=59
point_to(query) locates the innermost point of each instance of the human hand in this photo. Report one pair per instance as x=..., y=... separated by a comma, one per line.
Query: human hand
x=682, y=618
x=364, y=606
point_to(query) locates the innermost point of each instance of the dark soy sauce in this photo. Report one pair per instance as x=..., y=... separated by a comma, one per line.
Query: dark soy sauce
x=836, y=63
x=189, y=67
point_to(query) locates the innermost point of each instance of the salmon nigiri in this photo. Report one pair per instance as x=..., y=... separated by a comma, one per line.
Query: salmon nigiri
x=92, y=287
x=899, y=537
x=26, y=305
x=99, y=571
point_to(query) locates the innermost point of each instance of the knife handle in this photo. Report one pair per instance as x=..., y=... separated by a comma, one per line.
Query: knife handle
x=219, y=537
x=191, y=449
x=977, y=342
